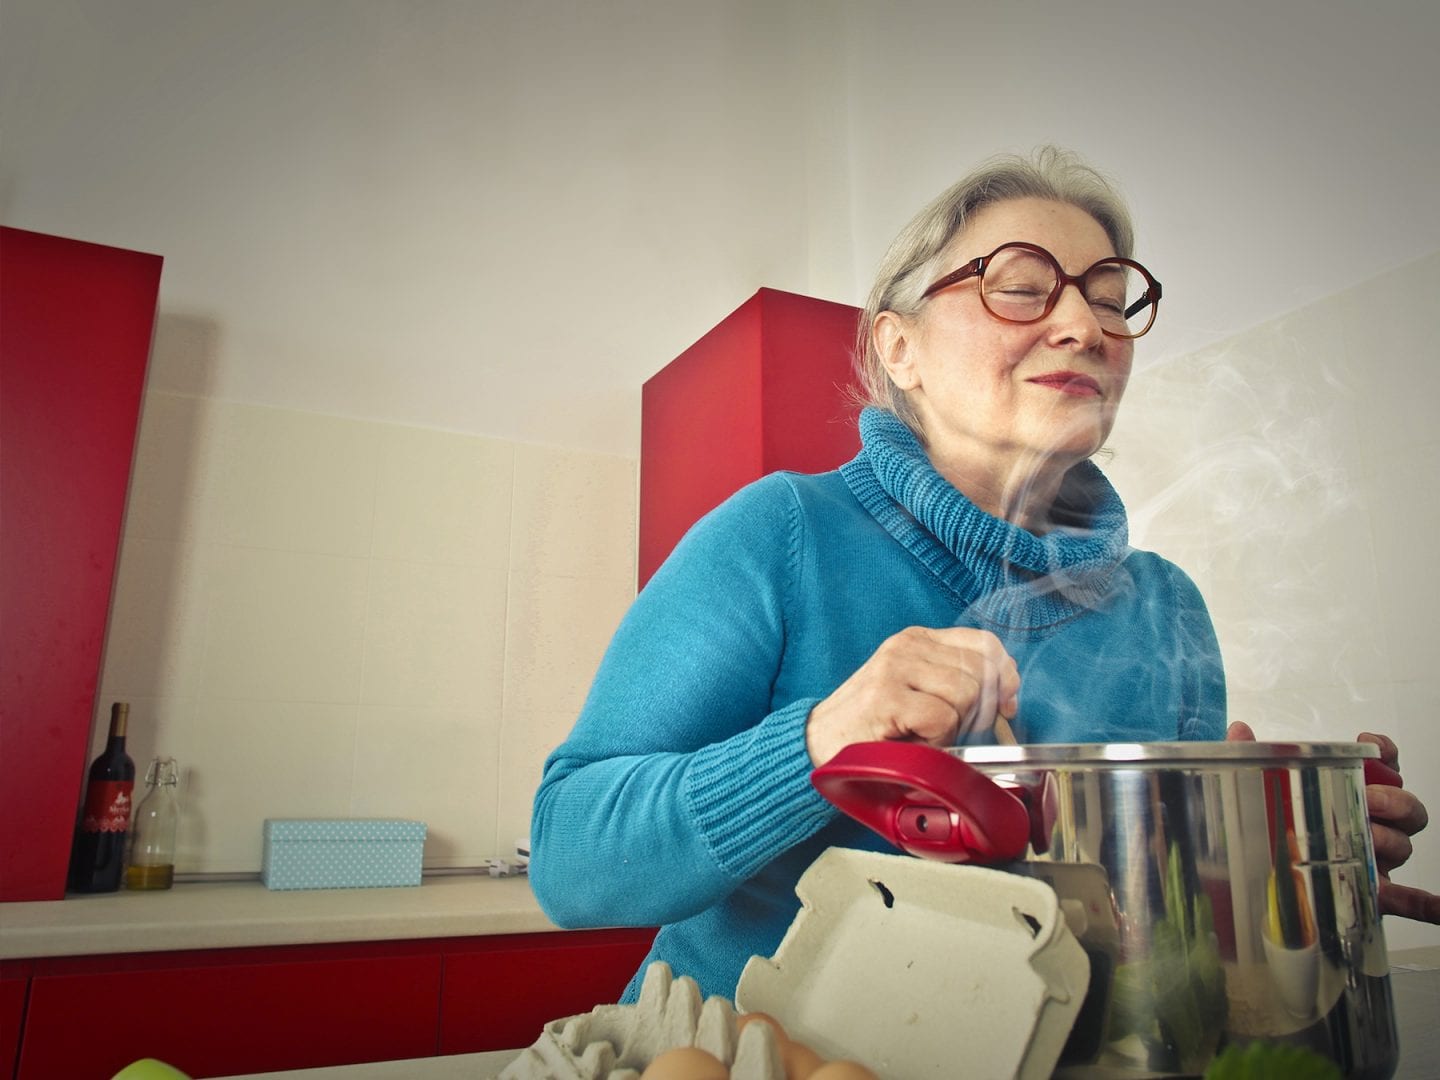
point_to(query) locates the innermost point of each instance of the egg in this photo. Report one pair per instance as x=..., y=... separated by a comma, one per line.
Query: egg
x=842, y=1070
x=686, y=1063
x=800, y=1061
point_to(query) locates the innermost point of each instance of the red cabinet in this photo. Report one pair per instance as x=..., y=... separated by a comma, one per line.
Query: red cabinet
x=221, y=1012
x=500, y=992
x=14, y=985
x=242, y=1017
x=764, y=390
x=77, y=321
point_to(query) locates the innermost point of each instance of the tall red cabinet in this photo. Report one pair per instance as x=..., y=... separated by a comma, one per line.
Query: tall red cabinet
x=764, y=390
x=75, y=328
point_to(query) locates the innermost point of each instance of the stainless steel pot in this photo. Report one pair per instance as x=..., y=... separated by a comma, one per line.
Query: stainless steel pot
x=1224, y=892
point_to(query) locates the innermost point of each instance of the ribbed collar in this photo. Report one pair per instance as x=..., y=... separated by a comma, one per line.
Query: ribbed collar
x=1011, y=578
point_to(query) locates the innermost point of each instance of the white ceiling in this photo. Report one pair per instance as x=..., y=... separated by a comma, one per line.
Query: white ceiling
x=502, y=218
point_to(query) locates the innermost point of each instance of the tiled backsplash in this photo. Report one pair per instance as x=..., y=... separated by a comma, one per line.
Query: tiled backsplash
x=327, y=617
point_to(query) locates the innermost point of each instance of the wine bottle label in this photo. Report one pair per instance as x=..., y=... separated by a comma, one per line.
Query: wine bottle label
x=107, y=806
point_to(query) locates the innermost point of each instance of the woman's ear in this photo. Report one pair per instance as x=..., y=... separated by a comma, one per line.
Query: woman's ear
x=892, y=341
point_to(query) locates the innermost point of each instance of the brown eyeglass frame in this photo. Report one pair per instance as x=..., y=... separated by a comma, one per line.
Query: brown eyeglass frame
x=976, y=268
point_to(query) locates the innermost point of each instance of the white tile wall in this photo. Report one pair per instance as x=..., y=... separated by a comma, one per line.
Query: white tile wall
x=1292, y=471
x=327, y=617
x=435, y=636
x=440, y=766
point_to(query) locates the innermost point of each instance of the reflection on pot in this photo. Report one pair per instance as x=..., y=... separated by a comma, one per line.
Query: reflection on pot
x=1227, y=894
x=1297, y=977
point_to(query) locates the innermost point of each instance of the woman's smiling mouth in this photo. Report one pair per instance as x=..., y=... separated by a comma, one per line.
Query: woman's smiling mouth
x=1069, y=382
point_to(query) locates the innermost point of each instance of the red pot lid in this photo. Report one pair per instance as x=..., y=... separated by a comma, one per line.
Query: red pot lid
x=926, y=802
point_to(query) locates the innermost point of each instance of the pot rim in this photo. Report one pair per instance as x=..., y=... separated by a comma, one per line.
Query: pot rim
x=1178, y=754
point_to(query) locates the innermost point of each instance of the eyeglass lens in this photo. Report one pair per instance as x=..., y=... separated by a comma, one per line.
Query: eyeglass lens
x=1017, y=284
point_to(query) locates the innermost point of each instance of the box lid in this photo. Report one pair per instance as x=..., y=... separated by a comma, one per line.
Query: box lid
x=913, y=967
x=357, y=830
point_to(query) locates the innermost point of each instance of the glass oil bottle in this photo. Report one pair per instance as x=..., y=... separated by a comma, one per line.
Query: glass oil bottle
x=152, y=846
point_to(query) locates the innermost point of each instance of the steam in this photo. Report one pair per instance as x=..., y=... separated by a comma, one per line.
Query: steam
x=1239, y=463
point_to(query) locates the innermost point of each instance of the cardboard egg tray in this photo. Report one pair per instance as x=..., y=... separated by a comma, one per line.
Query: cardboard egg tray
x=617, y=1042
x=905, y=965
x=912, y=966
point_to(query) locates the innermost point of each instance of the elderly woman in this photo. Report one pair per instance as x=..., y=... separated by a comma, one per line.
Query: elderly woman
x=970, y=558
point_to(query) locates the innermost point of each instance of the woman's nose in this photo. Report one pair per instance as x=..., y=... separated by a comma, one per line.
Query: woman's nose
x=1072, y=319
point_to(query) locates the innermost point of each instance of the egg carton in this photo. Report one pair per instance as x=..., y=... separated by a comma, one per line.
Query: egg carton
x=912, y=966
x=617, y=1042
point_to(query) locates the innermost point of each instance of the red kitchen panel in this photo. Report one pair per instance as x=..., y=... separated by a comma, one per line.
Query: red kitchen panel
x=501, y=997
x=700, y=431
x=808, y=423
x=763, y=390
x=241, y=1018
x=13, y=987
x=108, y=963
x=77, y=321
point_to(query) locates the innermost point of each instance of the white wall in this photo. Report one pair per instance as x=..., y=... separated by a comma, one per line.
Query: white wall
x=501, y=218
x=460, y=214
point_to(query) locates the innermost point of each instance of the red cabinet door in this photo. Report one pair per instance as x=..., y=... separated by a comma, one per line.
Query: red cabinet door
x=14, y=981
x=500, y=993
x=763, y=390
x=77, y=319
x=211, y=1020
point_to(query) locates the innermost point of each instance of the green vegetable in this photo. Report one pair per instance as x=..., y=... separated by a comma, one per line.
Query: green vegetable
x=1271, y=1061
x=1175, y=998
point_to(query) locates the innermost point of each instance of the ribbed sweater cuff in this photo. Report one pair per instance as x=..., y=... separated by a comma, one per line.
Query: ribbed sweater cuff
x=751, y=795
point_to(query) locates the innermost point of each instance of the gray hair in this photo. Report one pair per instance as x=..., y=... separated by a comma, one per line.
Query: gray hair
x=911, y=263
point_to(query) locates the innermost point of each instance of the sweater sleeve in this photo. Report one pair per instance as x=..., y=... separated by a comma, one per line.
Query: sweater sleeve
x=682, y=778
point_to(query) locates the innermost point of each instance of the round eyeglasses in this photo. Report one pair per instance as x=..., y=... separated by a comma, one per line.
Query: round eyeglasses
x=1021, y=283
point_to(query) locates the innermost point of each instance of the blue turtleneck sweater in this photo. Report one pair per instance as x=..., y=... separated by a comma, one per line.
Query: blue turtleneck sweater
x=682, y=798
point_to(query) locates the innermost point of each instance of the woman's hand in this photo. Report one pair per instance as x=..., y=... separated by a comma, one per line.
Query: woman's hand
x=1395, y=816
x=933, y=686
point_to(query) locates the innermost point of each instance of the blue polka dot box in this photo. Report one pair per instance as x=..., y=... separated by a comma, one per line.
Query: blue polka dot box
x=341, y=853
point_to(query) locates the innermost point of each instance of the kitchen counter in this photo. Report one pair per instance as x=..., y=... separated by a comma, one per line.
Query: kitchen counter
x=235, y=914
x=451, y=1067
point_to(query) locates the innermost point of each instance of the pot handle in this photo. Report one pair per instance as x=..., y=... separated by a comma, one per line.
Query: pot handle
x=1377, y=772
x=926, y=802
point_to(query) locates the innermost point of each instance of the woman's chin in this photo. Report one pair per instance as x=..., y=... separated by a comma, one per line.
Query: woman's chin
x=1069, y=445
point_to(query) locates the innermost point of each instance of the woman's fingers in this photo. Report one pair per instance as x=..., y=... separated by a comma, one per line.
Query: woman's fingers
x=1408, y=902
x=1395, y=816
x=918, y=670
x=970, y=671
x=1392, y=847
x=926, y=684
x=1239, y=731
x=1389, y=752
x=1396, y=807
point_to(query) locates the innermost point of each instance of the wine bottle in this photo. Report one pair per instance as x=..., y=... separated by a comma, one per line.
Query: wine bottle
x=97, y=859
x=152, y=842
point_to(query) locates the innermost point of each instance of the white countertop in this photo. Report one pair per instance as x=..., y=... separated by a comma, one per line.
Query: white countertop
x=447, y=1067
x=227, y=915
x=452, y=1067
